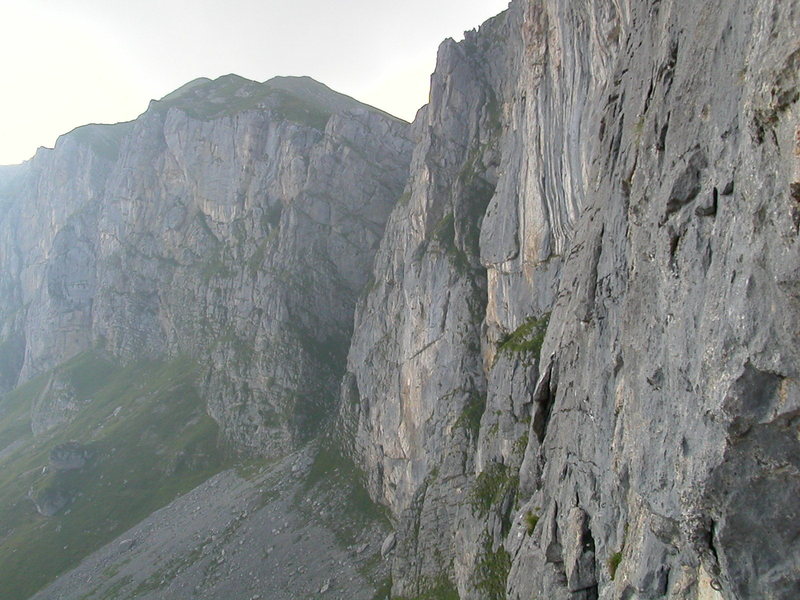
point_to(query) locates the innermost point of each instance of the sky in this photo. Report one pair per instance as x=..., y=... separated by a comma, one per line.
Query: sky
x=65, y=63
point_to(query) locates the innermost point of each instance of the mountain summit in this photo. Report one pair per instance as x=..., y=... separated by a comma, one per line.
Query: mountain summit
x=300, y=99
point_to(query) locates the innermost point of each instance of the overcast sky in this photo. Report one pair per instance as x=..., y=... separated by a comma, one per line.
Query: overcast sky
x=70, y=62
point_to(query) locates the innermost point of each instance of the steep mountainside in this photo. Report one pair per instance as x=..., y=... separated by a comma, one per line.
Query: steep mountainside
x=233, y=221
x=575, y=284
x=622, y=176
x=221, y=239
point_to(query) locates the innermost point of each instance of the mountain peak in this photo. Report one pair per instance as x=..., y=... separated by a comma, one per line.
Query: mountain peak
x=300, y=99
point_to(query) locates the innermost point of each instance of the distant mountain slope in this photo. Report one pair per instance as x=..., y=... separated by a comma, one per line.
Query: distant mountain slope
x=269, y=531
x=136, y=437
x=234, y=222
x=299, y=99
x=204, y=259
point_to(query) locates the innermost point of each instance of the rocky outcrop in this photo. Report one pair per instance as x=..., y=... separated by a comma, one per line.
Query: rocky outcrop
x=69, y=456
x=58, y=403
x=416, y=385
x=51, y=500
x=634, y=165
x=233, y=221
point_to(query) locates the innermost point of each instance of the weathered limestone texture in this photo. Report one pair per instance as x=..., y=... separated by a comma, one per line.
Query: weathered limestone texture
x=233, y=221
x=641, y=163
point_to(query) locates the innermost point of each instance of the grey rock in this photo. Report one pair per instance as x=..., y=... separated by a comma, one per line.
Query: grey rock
x=388, y=544
x=234, y=222
x=51, y=500
x=622, y=175
x=57, y=404
x=69, y=456
x=579, y=558
x=672, y=327
x=687, y=185
x=361, y=548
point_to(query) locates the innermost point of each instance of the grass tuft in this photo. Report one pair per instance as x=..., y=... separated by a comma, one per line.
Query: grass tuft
x=531, y=520
x=613, y=564
x=527, y=338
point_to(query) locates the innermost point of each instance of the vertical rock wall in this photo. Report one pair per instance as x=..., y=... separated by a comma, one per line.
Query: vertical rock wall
x=573, y=369
x=640, y=166
x=238, y=235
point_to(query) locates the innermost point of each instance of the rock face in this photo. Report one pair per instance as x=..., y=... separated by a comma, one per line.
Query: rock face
x=51, y=501
x=573, y=371
x=69, y=456
x=233, y=221
x=623, y=177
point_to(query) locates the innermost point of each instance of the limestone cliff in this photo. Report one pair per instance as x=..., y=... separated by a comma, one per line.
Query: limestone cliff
x=622, y=176
x=233, y=221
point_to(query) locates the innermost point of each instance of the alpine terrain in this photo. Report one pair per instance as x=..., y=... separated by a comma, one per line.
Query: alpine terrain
x=267, y=342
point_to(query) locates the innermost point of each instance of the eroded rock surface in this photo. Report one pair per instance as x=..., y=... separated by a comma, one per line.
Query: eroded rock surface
x=632, y=168
x=573, y=371
x=234, y=222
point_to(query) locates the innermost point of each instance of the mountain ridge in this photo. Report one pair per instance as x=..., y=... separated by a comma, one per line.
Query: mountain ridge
x=312, y=95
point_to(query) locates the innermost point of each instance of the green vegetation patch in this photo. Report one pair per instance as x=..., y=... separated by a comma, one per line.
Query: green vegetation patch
x=527, y=338
x=104, y=140
x=470, y=417
x=148, y=439
x=15, y=414
x=491, y=485
x=435, y=588
x=492, y=571
x=531, y=519
x=613, y=564
x=343, y=484
x=445, y=234
x=520, y=445
x=229, y=95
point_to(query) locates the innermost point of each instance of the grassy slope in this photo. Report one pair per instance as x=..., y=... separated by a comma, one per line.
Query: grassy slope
x=150, y=441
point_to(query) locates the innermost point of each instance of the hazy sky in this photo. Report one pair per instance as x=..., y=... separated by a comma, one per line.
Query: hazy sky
x=70, y=62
